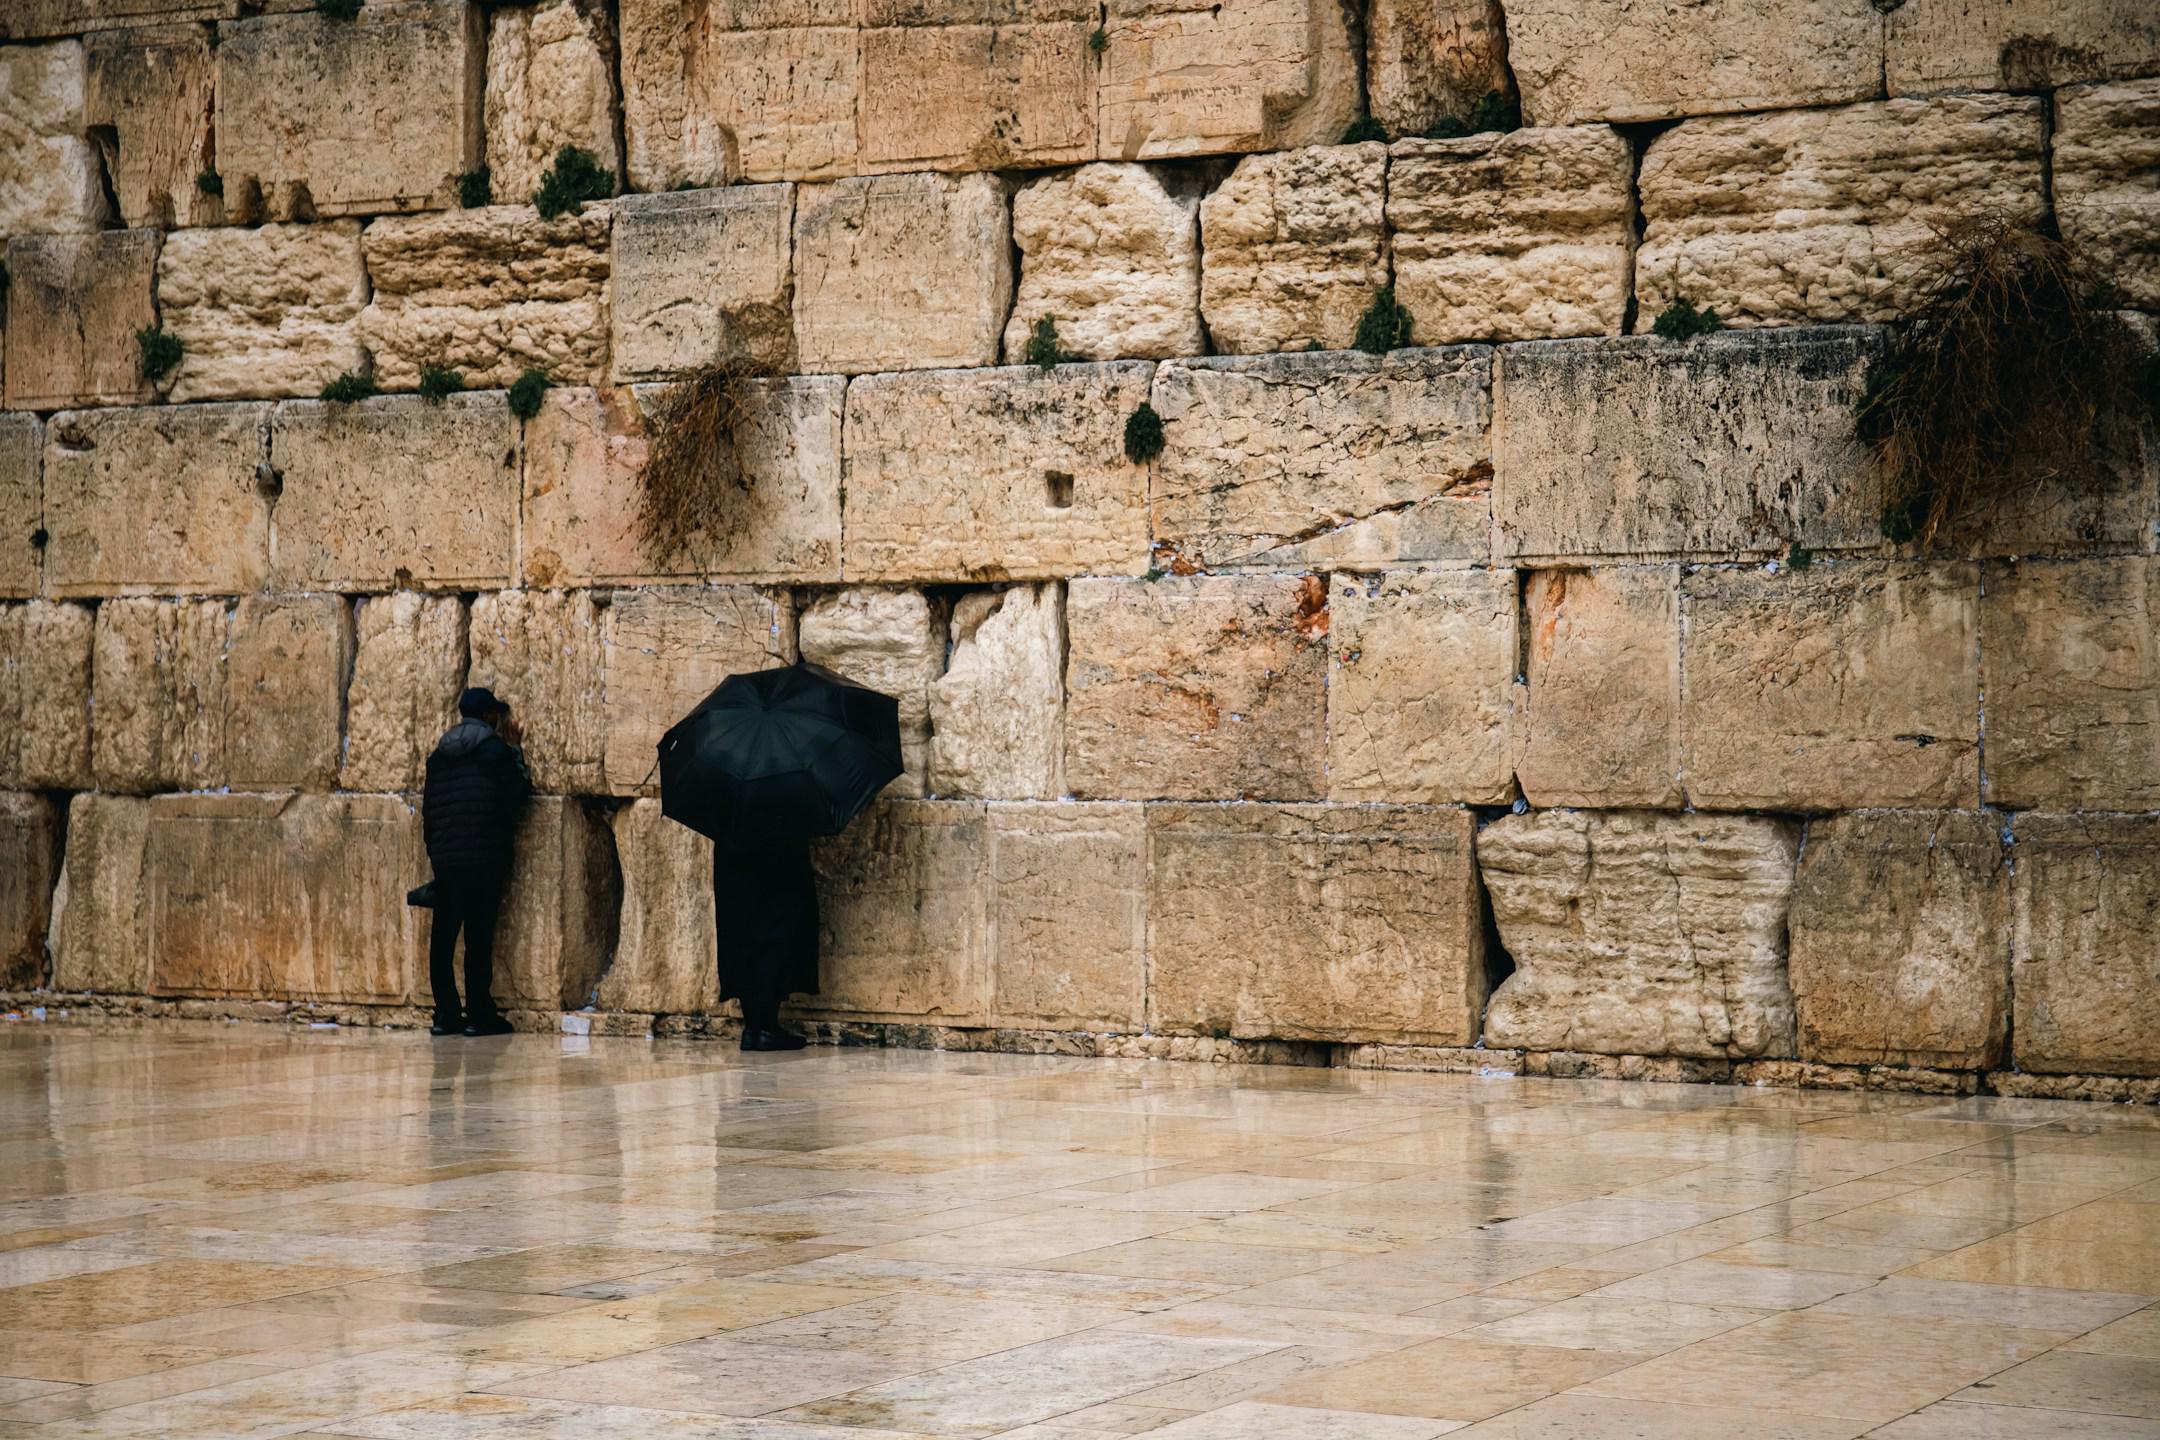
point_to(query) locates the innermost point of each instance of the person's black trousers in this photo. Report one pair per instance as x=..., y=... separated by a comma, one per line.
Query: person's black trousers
x=467, y=899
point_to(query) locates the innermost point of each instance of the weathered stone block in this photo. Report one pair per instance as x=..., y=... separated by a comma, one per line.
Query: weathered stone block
x=1315, y=922
x=1901, y=939
x=1294, y=248
x=1731, y=445
x=979, y=97
x=550, y=83
x=583, y=452
x=285, y=691
x=1934, y=45
x=273, y=311
x=1203, y=688
x=1009, y=474
x=1835, y=688
x=98, y=916
x=997, y=714
x=30, y=19
x=901, y=272
x=1430, y=60
x=1636, y=934
x=1601, y=727
x=159, y=674
x=489, y=293
x=1827, y=215
x=30, y=838
x=74, y=305
x=540, y=650
x=558, y=914
x=321, y=117
x=147, y=93
x=903, y=906
x=1325, y=460
x=158, y=500
x=664, y=649
x=396, y=492
x=2071, y=655
x=49, y=178
x=22, y=505
x=2107, y=183
x=1518, y=236
x=1181, y=78
x=2087, y=974
x=1653, y=59
x=1423, y=700
x=45, y=696
x=889, y=640
x=1111, y=255
x=704, y=276
x=664, y=956
x=408, y=667
x=1060, y=961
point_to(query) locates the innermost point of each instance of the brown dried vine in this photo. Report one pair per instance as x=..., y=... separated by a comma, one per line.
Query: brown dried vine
x=693, y=476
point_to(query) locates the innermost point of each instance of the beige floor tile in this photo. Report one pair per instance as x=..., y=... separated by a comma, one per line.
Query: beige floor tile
x=1451, y=1379
x=2135, y=1335
x=597, y=1332
x=493, y=1417
x=1577, y=1416
x=1252, y=1421
x=1961, y=1420
x=75, y=1402
x=2020, y=1259
x=2071, y=1380
x=1751, y=1287
x=1599, y=1322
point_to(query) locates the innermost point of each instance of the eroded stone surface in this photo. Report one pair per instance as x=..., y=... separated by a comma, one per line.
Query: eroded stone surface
x=74, y=305
x=1325, y=460
x=1202, y=688
x=1827, y=215
x=977, y=97
x=1423, y=702
x=1518, y=236
x=285, y=675
x=2087, y=893
x=703, y=276
x=22, y=504
x=1641, y=934
x=550, y=83
x=31, y=19
x=272, y=311
x=1837, y=687
x=1295, y=248
x=1057, y=964
x=30, y=836
x=1601, y=726
x=49, y=180
x=1430, y=60
x=1901, y=939
x=489, y=293
x=1110, y=254
x=1179, y=78
x=159, y=675
x=149, y=93
x=98, y=907
x=664, y=958
x=2107, y=183
x=540, y=651
x=1006, y=474
x=997, y=713
x=1315, y=922
x=663, y=649
x=903, y=911
x=1934, y=45
x=45, y=696
x=408, y=667
x=892, y=641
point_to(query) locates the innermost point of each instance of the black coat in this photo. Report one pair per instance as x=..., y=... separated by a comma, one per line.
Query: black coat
x=476, y=785
x=765, y=920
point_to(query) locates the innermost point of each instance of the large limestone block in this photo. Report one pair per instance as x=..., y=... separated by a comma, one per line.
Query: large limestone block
x=664, y=956
x=1638, y=934
x=1423, y=702
x=30, y=19
x=1932, y=45
x=408, y=667
x=663, y=649
x=285, y=691
x=98, y=913
x=550, y=83
x=2106, y=178
x=1068, y=916
x=1582, y=60
x=901, y=272
x=1833, y=688
x=159, y=500
x=979, y=97
x=540, y=651
x=558, y=913
x=994, y=475
x=584, y=450
x=892, y=641
x=1827, y=215
x=395, y=492
x=1641, y=448
x=2086, y=976
x=45, y=696
x=50, y=182
x=489, y=293
x=159, y=676
x=74, y=305
x=1183, y=78
x=703, y=276
x=22, y=505
x=997, y=714
x=1430, y=60
x=903, y=902
x=1294, y=248
x=1901, y=939
x=1111, y=255
x=1601, y=727
x=147, y=93
x=273, y=311
x=30, y=838
x=1517, y=236
x=319, y=117
x=2071, y=655
x=1315, y=922
x=1325, y=460
x=1196, y=689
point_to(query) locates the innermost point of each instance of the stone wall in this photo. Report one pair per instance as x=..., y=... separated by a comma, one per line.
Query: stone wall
x=1540, y=695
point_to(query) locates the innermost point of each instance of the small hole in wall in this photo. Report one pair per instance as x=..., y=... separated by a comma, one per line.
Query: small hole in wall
x=1059, y=488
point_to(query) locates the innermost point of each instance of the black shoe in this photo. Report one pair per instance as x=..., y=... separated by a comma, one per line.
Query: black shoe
x=488, y=1025
x=447, y=1025
x=771, y=1037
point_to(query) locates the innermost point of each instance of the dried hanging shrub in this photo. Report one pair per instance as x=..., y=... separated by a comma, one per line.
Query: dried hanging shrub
x=693, y=479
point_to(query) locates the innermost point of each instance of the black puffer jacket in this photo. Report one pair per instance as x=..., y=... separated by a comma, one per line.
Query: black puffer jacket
x=476, y=784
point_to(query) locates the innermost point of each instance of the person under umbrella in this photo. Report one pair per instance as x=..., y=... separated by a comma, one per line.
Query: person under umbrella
x=764, y=764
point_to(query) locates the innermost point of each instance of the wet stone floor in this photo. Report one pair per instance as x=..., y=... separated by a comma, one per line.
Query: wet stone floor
x=245, y=1231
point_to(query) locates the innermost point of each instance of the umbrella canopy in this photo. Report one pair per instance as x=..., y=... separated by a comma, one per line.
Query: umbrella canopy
x=786, y=753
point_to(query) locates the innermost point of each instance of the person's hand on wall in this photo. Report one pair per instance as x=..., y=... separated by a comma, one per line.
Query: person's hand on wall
x=512, y=732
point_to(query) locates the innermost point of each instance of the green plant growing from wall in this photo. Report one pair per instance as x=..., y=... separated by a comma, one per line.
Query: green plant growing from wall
x=160, y=352
x=1682, y=321
x=1098, y=41
x=1384, y=326
x=209, y=182
x=1143, y=434
x=351, y=386
x=339, y=9
x=526, y=393
x=475, y=189
x=1362, y=129
x=576, y=177
x=437, y=381
x=1043, y=350
x=1494, y=112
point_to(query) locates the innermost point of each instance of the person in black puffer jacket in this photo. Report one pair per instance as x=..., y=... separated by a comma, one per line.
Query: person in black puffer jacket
x=476, y=785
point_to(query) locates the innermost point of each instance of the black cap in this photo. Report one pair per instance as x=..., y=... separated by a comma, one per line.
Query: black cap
x=479, y=702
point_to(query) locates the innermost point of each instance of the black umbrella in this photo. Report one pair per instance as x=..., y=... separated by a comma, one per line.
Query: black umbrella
x=786, y=753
